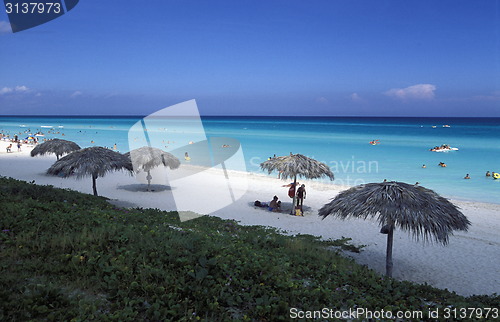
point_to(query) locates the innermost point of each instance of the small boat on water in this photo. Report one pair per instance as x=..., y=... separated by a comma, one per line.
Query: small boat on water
x=443, y=148
x=375, y=142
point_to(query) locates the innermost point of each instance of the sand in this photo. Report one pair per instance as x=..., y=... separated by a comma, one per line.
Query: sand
x=468, y=265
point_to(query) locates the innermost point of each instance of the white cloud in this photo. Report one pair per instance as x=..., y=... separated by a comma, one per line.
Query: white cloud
x=76, y=94
x=5, y=90
x=21, y=88
x=321, y=100
x=17, y=89
x=356, y=98
x=5, y=27
x=417, y=92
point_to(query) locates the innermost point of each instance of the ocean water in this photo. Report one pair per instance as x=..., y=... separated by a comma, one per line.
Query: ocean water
x=340, y=142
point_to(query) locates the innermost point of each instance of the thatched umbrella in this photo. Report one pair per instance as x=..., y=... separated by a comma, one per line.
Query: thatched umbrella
x=294, y=165
x=94, y=161
x=409, y=207
x=57, y=146
x=147, y=158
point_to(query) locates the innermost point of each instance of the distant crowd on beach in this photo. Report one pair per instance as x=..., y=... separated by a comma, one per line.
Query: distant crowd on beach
x=17, y=141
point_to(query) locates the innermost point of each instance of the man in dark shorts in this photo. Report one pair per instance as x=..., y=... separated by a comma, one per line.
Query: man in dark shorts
x=301, y=195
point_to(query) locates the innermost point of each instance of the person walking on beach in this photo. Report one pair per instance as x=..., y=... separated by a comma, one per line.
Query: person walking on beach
x=19, y=146
x=301, y=195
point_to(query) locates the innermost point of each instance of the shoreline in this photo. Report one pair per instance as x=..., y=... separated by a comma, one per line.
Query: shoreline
x=468, y=265
x=318, y=185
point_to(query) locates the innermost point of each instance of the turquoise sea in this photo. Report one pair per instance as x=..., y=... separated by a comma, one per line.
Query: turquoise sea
x=341, y=142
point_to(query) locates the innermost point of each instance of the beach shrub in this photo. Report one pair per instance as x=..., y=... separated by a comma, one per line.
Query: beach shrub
x=65, y=255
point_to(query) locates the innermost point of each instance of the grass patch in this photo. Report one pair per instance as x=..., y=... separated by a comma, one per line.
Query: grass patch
x=70, y=256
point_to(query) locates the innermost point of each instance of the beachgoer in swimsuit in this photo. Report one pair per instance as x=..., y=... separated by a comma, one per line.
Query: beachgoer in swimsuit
x=301, y=195
x=275, y=205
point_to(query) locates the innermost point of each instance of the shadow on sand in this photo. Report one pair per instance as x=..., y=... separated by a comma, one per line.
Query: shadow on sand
x=285, y=206
x=144, y=187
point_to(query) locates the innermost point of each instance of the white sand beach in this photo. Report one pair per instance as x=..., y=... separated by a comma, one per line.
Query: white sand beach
x=468, y=265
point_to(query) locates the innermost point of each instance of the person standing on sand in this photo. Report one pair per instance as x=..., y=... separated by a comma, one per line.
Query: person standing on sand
x=301, y=195
x=19, y=146
x=291, y=190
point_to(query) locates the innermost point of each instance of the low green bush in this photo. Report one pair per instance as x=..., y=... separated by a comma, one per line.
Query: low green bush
x=70, y=256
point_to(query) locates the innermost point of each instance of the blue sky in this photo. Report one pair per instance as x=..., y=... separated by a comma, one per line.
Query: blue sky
x=328, y=57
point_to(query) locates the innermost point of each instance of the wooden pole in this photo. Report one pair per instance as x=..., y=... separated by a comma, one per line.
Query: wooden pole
x=94, y=177
x=294, y=195
x=388, y=260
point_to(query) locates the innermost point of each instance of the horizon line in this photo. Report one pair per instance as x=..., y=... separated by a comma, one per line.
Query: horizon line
x=266, y=116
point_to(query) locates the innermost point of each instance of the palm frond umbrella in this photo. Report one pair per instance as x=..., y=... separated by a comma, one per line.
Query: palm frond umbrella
x=294, y=165
x=93, y=161
x=418, y=210
x=147, y=158
x=57, y=146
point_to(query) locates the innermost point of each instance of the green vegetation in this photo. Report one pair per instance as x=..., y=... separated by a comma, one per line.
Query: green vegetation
x=70, y=256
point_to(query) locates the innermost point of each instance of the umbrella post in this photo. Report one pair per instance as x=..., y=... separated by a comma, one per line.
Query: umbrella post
x=94, y=177
x=148, y=177
x=292, y=212
x=388, y=260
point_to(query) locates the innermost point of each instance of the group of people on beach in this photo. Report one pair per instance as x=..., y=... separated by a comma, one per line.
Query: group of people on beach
x=9, y=147
x=16, y=140
x=275, y=204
